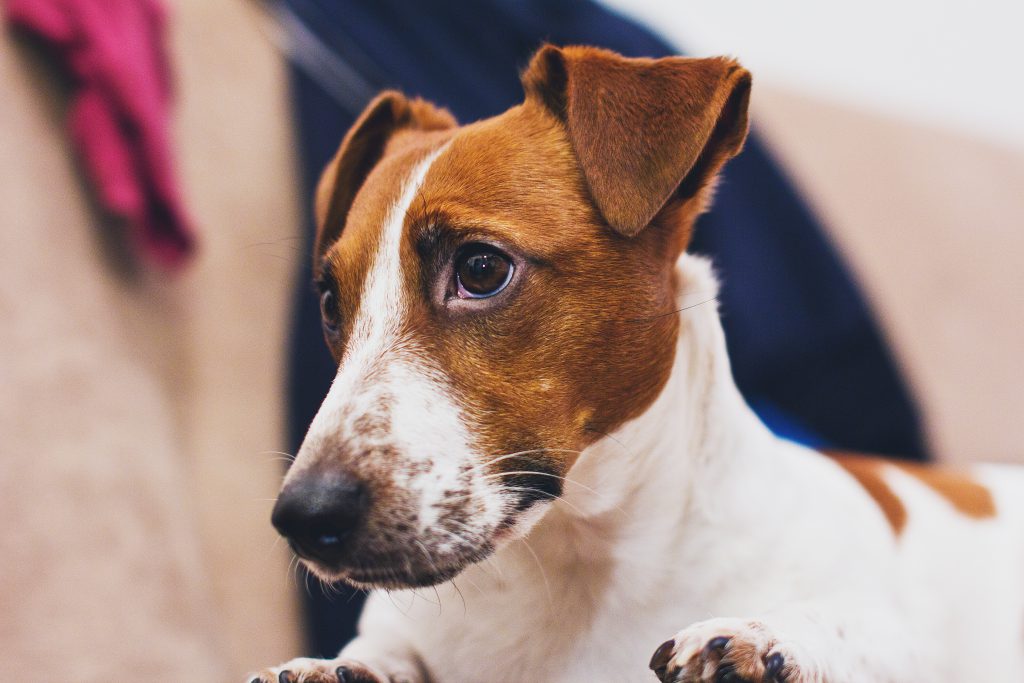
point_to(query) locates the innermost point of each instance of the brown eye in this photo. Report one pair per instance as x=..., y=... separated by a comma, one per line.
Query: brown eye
x=482, y=271
x=329, y=310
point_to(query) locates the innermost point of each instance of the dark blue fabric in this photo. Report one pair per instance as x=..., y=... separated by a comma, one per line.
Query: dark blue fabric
x=804, y=345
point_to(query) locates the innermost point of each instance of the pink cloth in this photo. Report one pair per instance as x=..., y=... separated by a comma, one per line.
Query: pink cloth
x=119, y=115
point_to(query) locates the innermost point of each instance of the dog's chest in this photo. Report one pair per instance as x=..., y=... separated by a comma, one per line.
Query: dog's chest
x=516, y=619
x=508, y=640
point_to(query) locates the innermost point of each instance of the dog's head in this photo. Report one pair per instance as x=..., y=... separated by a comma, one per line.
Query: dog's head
x=498, y=296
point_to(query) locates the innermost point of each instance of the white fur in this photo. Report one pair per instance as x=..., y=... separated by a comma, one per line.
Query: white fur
x=694, y=517
x=384, y=375
x=695, y=512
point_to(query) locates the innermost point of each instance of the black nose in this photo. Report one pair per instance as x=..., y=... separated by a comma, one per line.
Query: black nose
x=318, y=512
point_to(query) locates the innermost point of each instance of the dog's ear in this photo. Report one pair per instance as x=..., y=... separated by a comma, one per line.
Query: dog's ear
x=363, y=146
x=643, y=130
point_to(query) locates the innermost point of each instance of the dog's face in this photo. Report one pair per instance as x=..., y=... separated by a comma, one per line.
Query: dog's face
x=498, y=296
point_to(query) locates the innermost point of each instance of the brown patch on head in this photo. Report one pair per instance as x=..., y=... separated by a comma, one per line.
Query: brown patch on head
x=643, y=130
x=868, y=472
x=966, y=495
x=590, y=189
x=586, y=338
x=579, y=343
x=963, y=493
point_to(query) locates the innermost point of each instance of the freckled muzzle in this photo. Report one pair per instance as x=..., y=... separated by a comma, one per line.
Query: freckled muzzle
x=346, y=530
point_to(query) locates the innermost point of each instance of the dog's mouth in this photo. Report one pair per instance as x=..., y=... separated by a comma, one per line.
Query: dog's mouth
x=396, y=551
x=398, y=578
x=402, y=570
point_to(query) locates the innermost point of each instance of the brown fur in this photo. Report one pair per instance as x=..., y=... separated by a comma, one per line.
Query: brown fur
x=585, y=338
x=348, y=257
x=963, y=493
x=868, y=472
x=641, y=127
x=966, y=495
x=370, y=139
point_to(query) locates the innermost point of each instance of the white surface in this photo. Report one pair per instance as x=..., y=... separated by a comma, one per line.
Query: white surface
x=954, y=64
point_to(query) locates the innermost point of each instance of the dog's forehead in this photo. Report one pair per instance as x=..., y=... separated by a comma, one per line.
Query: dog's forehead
x=514, y=174
x=352, y=254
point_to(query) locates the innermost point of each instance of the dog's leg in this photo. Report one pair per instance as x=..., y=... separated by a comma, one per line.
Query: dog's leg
x=841, y=642
x=362, y=661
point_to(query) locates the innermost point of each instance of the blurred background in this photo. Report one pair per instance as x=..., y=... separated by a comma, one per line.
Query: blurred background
x=160, y=353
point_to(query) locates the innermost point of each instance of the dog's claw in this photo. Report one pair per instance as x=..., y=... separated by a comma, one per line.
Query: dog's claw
x=718, y=643
x=726, y=674
x=662, y=656
x=773, y=667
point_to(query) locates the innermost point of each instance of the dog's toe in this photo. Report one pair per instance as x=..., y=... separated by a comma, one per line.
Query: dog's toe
x=319, y=671
x=725, y=651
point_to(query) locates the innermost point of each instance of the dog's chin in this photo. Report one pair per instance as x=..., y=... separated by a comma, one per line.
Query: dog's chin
x=395, y=580
x=398, y=575
x=398, y=571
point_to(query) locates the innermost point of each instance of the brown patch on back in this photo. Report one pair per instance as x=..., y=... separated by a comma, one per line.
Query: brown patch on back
x=966, y=495
x=868, y=473
x=963, y=493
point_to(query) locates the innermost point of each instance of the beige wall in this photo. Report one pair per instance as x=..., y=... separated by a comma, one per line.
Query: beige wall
x=932, y=224
x=234, y=126
x=137, y=410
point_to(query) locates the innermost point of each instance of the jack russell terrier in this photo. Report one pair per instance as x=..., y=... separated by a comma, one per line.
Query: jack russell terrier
x=534, y=415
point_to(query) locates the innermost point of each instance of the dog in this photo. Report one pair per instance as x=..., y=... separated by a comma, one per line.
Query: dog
x=534, y=453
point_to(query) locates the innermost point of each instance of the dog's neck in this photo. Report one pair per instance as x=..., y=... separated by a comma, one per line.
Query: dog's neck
x=648, y=482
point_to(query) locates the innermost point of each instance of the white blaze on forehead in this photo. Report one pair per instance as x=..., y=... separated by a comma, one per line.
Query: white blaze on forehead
x=382, y=308
x=377, y=323
x=386, y=379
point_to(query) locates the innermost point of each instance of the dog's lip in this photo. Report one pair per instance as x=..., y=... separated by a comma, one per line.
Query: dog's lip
x=389, y=578
x=401, y=570
x=392, y=577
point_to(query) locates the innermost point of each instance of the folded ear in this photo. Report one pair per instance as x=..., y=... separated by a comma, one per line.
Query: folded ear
x=643, y=129
x=363, y=146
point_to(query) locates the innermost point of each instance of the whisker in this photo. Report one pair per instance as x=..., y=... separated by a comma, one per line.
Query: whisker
x=553, y=497
x=465, y=610
x=288, y=571
x=498, y=475
x=354, y=593
x=465, y=541
x=506, y=456
x=433, y=567
x=288, y=456
x=490, y=558
x=543, y=574
x=305, y=580
x=678, y=310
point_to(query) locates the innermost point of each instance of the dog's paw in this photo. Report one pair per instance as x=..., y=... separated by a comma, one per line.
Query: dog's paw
x=728, y=651
x=319, y=671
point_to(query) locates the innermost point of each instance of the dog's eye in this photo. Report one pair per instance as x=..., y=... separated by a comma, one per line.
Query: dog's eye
x=329, y=310
x=482, y=271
